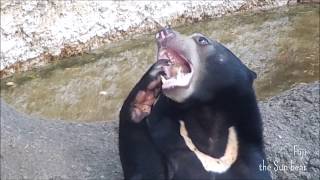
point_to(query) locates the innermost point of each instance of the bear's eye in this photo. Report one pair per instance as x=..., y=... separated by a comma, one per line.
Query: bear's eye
x=202, y=41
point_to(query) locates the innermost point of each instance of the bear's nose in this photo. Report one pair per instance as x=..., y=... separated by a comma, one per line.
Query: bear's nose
x=164, y=34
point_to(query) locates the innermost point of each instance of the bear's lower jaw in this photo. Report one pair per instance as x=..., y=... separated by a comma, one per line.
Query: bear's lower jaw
x=180, y=80
x=179, y=71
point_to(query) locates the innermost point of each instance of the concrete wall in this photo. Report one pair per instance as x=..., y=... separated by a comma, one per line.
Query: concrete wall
x=35, y=32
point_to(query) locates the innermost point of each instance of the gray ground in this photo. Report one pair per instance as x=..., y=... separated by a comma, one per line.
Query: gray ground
x=291, y=129
x=32, y=148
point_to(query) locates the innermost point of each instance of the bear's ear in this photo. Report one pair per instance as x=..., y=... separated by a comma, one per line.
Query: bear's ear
x=253, y=74
x=250, y=73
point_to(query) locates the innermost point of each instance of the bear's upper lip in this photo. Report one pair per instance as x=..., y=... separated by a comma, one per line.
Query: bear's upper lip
x=179, y=71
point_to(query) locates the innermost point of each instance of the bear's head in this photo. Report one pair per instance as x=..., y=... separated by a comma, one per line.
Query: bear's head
x=199, y=67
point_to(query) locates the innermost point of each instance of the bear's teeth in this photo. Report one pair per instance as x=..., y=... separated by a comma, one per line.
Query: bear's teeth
x=179, y=74
x=163, y=79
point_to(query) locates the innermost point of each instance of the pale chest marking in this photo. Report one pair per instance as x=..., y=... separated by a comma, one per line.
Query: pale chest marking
x=217, y=165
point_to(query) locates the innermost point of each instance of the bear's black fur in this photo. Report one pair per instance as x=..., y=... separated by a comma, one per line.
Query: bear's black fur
x=152, y=147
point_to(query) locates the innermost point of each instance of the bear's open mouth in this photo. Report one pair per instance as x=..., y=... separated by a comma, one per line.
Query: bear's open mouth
x=178, y=73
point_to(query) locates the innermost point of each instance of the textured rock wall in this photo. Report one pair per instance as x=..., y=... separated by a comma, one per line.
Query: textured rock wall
x=35, y=32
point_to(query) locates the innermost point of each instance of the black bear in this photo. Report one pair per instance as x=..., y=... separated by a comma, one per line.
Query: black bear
x=193, y=115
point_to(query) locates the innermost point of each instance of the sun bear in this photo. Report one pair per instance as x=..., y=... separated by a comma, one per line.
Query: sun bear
x=193, y=115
